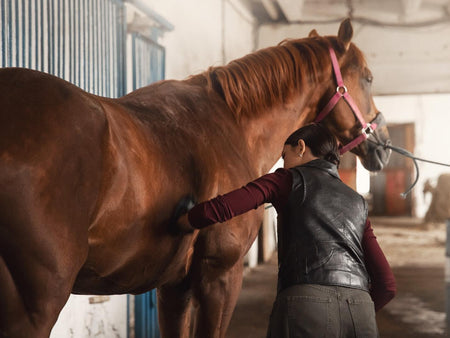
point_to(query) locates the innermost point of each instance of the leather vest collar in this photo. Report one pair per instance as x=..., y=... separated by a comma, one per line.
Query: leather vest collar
x=323, y=165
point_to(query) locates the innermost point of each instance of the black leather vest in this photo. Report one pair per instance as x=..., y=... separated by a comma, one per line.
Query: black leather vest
x=321, y=229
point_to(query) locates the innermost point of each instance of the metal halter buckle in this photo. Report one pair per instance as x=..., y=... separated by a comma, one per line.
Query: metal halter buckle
x=368, y=130
x=341, y=89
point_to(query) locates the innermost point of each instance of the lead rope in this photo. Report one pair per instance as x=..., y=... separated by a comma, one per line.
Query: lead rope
x=406, y=153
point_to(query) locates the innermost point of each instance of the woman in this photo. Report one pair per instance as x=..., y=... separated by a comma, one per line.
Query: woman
x=333, y=275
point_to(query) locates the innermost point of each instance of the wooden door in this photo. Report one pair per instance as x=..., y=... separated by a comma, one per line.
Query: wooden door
x=387, y=185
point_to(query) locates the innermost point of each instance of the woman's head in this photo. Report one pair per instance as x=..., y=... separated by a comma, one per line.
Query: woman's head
x=310, y=142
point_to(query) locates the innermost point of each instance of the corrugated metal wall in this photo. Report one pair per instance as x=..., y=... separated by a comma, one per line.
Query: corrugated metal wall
x=81, y=41
x=148, y=59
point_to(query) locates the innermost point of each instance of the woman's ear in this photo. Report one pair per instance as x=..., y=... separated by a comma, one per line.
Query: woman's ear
x=301, y=147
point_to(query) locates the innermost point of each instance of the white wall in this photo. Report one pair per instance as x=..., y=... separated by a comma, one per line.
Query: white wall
x=240, y=31
x=207, y=33
x=81, y=319
x=403, y=60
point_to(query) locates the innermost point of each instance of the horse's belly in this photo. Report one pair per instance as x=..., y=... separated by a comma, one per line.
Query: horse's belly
x=145, y=265
x=88, y=282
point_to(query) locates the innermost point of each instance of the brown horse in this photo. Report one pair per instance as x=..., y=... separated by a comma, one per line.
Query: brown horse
x=88, y=185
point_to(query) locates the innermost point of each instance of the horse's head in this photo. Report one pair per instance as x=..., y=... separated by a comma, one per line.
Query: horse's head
x=347, y=108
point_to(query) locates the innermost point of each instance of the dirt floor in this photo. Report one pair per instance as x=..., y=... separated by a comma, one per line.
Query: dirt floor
x=417, y=257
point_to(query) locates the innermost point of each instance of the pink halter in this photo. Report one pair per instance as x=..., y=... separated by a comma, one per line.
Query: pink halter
x=341, y=92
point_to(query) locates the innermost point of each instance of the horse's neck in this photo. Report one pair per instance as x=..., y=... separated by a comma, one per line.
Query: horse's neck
x=266, y=133
x=266, y=112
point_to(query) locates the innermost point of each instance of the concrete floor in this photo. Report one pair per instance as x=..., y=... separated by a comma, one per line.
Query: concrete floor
x=419, y=309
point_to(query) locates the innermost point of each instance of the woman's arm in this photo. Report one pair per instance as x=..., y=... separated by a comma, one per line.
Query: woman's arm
x=271, y=188
x=383, y=287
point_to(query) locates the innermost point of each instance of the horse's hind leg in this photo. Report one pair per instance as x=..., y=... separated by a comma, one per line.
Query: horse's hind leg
x=21, y=315
x=34, y=286
x=34, y=289
x=40, y=255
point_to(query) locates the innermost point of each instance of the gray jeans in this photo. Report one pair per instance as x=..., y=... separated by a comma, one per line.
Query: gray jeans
x=312, y=310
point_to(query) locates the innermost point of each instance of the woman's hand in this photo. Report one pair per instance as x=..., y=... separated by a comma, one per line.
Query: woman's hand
x=179, y=222
x=184, y=225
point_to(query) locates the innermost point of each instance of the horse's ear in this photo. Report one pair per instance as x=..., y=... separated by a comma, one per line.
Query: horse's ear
x=345, y=33
x=313, y=34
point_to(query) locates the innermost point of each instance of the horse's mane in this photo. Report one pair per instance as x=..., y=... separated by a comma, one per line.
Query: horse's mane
x=269, y=76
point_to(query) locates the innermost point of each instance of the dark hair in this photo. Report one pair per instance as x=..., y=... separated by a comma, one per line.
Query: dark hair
x=321, y=142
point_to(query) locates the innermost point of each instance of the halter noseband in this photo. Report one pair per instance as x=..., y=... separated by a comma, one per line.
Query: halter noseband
x=341, y=92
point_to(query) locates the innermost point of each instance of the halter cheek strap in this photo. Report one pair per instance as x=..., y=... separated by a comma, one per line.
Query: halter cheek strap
x=342, y=92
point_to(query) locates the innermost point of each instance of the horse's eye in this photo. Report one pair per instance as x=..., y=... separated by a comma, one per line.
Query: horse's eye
x=367, y=75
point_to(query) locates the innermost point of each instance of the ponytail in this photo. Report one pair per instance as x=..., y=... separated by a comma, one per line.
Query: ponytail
x=332, y=157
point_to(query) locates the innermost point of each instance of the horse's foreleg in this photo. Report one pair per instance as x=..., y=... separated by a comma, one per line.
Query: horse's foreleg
x=216, y=273
x=174, y=310
x=216, y=293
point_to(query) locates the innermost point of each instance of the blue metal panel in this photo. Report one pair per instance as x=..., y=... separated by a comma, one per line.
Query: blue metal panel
x=146, y=317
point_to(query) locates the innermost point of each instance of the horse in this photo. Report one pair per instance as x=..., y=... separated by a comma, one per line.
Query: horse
x=439, y=208
x=89, y=185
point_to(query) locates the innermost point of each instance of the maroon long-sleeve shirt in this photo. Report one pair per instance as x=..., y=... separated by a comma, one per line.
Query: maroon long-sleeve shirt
x=275, y=188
